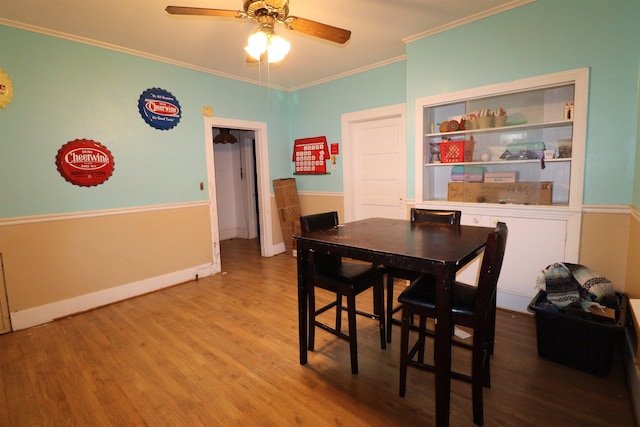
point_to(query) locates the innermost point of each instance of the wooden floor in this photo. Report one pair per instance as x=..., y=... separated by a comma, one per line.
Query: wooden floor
x=223, y=351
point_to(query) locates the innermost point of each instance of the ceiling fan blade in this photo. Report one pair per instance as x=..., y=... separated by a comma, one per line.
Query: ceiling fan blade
x=180, y=10
x=316, y=29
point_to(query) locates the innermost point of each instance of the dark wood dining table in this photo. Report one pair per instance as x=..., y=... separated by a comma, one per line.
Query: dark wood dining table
x=432, y=249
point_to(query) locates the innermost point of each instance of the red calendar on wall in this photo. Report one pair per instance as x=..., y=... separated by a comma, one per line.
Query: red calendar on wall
x=310, y=155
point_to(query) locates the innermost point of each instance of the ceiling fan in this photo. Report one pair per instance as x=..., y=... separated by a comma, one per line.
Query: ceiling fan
x=267, y=13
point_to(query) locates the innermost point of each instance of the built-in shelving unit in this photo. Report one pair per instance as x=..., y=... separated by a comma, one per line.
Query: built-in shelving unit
x=541, y=230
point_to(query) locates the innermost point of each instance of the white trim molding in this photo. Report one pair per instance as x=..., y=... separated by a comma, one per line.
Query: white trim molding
x=122, y=49
x=97, y=213
x=467, y=20
x=319, y=193
x=145, y=55
x=608, y=209
x=49, y=312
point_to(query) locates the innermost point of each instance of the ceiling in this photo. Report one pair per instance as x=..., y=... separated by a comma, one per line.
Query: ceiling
x=215, y=44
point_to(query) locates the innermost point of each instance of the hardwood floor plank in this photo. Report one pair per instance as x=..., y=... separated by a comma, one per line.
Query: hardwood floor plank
x=223, y=351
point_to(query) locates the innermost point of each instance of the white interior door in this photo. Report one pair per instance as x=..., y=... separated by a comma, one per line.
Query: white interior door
x=374, y=145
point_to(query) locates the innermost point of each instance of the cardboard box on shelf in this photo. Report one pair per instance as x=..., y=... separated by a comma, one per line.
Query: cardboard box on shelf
x=528, y=193
x=501, y=176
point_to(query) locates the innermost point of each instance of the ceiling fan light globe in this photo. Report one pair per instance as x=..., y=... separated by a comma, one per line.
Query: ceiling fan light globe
x=257, y=44
x=278, y=48
x=254, y=53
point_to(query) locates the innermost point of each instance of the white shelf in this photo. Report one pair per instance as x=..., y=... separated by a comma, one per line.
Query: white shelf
x=508, y=128
x=498, y=162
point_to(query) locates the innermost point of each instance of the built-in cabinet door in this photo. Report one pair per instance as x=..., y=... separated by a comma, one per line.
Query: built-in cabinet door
x=532, y=244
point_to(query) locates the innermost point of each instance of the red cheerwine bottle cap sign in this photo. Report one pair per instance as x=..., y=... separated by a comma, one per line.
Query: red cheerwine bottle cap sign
x=85, y=162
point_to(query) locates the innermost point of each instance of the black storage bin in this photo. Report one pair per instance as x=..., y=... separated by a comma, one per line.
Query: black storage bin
x=576, y=338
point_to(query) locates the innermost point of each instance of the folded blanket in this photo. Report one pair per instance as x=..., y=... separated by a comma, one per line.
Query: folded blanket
x=591, y=281
x=557, y=280
x=567, y=284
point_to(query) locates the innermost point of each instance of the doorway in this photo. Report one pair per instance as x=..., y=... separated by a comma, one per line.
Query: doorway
x=263, y=192
x=234, y=158
x=375, y=172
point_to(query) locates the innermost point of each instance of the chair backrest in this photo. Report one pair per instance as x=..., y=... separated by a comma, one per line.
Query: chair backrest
x=490, y=268
x=436, y=216
x=319, y=221
x=322, y=263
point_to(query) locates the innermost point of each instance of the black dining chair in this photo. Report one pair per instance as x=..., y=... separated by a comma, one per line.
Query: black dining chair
x=343, y=278
x=422, y=216
x=472, y=306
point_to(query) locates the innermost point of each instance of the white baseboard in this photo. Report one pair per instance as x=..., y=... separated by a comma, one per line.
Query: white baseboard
x=46, y=313
x=513, y=302
x=278, y=248
x=232, y=233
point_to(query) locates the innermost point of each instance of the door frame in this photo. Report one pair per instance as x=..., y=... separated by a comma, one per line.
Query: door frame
x=267, y=248
x=349, y=120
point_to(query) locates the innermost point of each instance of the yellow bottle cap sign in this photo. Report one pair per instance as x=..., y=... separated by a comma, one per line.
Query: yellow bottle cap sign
x=6, y=89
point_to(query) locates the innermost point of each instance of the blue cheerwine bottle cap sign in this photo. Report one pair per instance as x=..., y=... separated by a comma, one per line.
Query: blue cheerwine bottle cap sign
x=159, y=108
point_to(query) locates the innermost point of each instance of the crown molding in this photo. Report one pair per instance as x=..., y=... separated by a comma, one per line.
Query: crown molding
x=467, y=20
x=133, y=52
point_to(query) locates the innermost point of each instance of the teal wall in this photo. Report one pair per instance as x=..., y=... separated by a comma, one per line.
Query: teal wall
x=65, y=90
x=636, y=181
x=317, y=111
x=544, y=37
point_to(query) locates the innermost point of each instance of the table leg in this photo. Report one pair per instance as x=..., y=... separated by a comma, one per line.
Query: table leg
x=443, y=346
x=303, y=295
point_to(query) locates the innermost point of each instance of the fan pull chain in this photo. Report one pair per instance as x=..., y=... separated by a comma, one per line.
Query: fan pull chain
x=269, y=83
